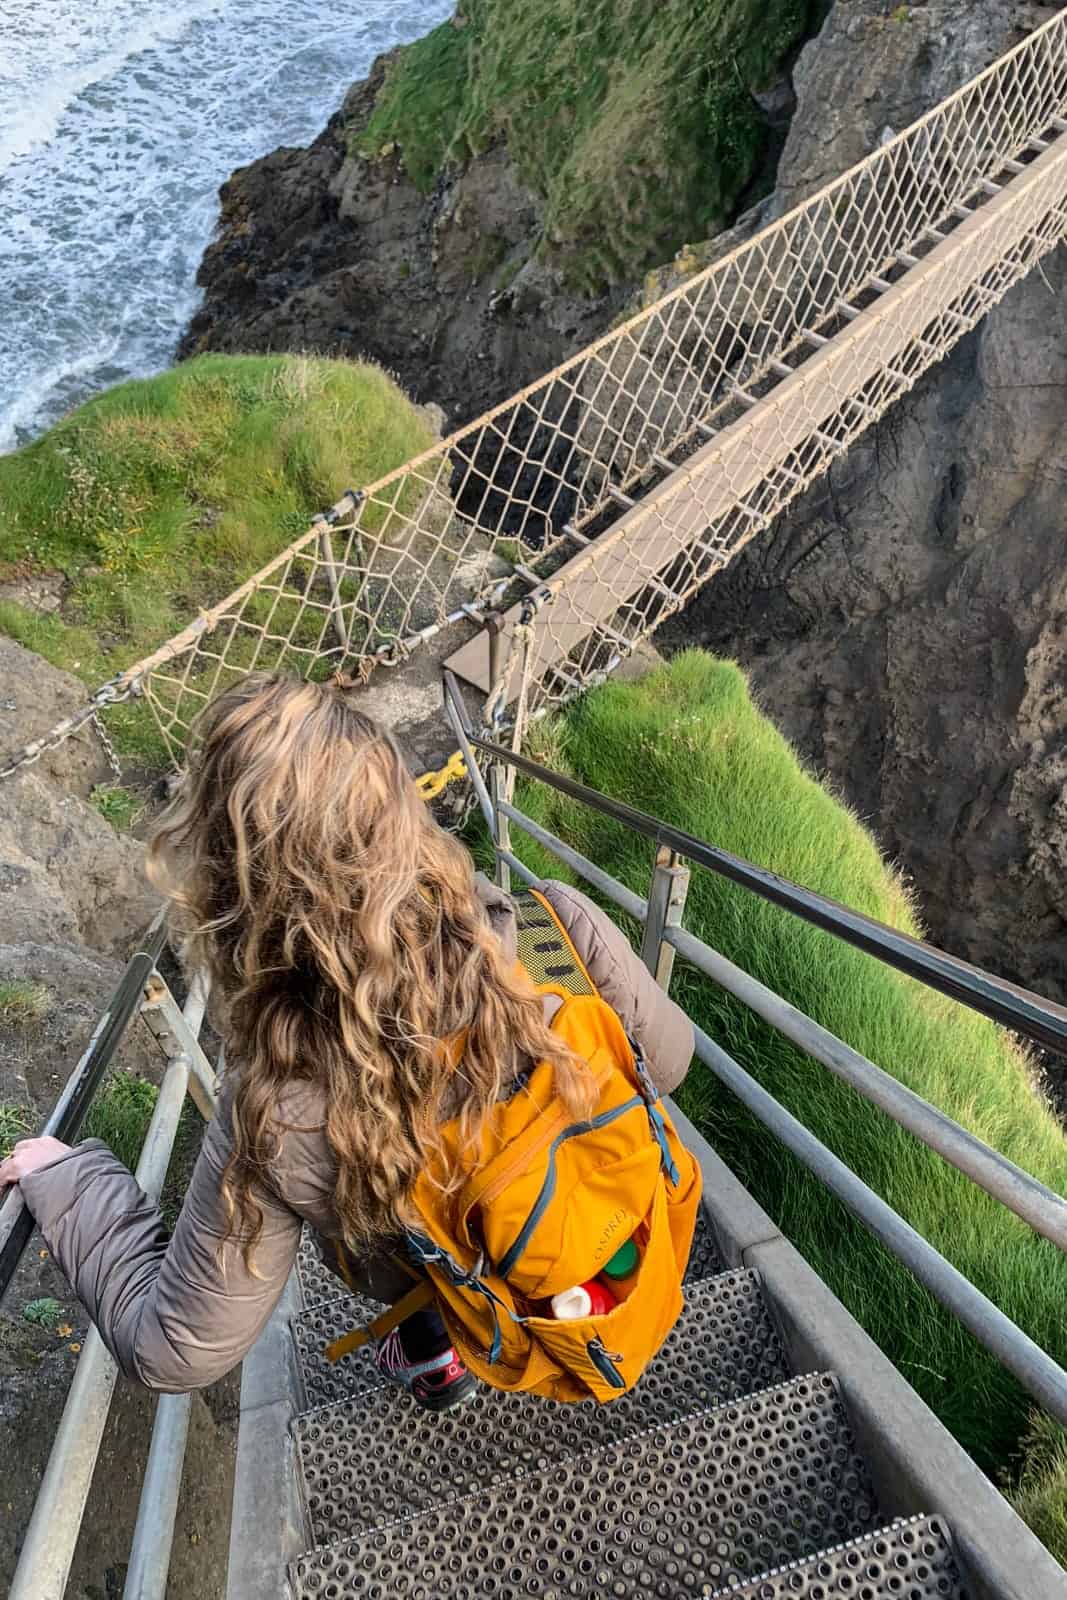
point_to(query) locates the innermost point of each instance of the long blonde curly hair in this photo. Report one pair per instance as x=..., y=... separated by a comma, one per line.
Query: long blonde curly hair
x=342, y=926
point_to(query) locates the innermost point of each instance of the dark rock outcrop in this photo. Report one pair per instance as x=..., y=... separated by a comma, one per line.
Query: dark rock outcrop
x=323, y=249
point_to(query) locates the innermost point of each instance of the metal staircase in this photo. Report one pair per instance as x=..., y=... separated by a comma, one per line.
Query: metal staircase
x=723, y=1473
x=771, y=1451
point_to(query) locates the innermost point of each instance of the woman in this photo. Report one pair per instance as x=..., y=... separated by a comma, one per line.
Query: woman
x=349, y=940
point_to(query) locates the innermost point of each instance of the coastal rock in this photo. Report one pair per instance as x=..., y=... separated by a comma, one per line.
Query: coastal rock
x=65, y=874
x=35, y=697
x=72, y=986
x=325, y=249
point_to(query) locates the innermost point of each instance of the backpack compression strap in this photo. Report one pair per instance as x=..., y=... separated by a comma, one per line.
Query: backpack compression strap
x=419, y=1296
x=544, y=949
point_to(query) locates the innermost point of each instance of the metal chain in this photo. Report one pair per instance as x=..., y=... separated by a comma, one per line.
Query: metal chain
x=30, y=753
x=109, y=748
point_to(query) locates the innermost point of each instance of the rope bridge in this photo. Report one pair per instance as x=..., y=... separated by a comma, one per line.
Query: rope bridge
x=597, y=501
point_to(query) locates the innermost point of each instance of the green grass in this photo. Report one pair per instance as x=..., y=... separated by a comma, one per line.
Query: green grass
x=15, y=1124
x=687, y=744
x=116, y=804
x=23, y=1000
x=632, y=119
x=1040, y=1496
x=120, y=1115
x=157, y=497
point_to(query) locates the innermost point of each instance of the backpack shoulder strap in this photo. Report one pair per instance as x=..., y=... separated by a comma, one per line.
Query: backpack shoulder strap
x=545, y=948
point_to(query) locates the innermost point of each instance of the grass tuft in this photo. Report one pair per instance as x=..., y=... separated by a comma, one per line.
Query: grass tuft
x=15, y=1124
x=22, y=1000
x=633, y=119
x=687, y=744
x=1040, y=1496
x=116, y=804
x=120, y=1115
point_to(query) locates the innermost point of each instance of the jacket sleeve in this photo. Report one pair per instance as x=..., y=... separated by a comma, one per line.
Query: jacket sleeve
x=176, y=1313
x=649, y=1015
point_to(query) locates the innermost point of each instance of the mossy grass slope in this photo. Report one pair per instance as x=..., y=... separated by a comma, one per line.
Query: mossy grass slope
x=633, y=119
x=157, y=497
x=687, y=744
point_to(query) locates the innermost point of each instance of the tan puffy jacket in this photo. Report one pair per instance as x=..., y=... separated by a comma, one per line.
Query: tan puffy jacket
x=178, y=1312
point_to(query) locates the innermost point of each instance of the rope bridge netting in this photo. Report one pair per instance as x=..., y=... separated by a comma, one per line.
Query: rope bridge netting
x=617, y=485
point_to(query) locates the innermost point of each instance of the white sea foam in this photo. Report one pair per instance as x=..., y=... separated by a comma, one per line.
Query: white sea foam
x=118, y=122
x=36, y=120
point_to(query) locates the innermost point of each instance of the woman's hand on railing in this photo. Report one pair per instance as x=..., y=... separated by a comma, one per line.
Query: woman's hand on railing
x=29, y=1155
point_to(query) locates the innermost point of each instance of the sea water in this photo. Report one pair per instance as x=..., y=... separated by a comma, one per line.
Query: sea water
x=119, y=119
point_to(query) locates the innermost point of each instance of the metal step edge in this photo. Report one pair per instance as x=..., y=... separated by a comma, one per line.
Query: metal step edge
x=724, y=1348
x=790, y=1581
x=707, y=1413
x=819, y=1390
x=316, y=1325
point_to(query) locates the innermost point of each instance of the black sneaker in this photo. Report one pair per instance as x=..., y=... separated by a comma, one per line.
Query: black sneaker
x=439, y=1383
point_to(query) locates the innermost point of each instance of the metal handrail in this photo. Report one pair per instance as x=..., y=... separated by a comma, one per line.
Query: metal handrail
x=1040, y=1020
x=68, y=1114
x=1033, y=1201
x=49, y=1544
x=1039, y=1374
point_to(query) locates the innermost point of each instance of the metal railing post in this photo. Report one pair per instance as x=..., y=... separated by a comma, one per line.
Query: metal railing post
x=666, y=903
x=52, y=1536
x=461, y=727
x=337, y=608
x=498, y=795
x=498, y=773
x=146, y=1575
x=175, y=1031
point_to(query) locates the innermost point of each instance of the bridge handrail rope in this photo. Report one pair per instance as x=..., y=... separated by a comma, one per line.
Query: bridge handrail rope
x=506, y=501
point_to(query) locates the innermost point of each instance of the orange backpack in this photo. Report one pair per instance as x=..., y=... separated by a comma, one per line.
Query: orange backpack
x=548, y=1201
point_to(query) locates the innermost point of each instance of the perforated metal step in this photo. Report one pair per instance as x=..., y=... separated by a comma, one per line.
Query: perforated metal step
x=369, y=1464
x=911, y=1560
x=680, y=1510
x=330, y=1314
x=313, y=1330
x=317, y=1282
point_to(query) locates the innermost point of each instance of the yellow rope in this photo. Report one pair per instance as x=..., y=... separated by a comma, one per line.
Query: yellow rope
x=431, y=783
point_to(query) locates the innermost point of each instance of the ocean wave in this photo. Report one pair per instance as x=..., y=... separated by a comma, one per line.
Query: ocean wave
x=38, y=120
x=131, y=123
x=50, y=381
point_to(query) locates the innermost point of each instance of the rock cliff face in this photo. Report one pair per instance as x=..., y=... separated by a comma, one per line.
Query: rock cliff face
x=319, y=249
x=72, y=890
x=568, y=151
x=906, y=625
